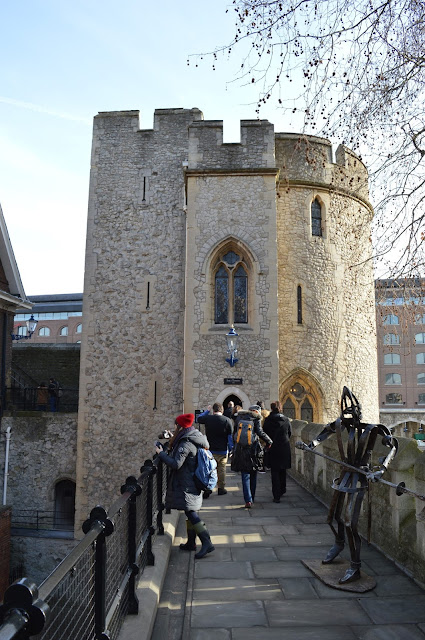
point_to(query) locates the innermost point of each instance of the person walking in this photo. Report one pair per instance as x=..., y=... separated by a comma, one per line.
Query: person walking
x=217, y=429
x=182, y=494
x=247, y=452
x=278, y=428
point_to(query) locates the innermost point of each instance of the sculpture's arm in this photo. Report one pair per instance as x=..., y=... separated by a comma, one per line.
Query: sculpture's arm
x=388, y=441
x=329, y=430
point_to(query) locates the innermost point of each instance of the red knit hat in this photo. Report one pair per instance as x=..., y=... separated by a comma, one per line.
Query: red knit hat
x=185, y=420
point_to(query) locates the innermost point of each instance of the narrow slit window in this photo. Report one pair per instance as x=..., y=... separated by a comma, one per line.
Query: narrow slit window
x=148, y=295
x=316, y=218
x=299, y=305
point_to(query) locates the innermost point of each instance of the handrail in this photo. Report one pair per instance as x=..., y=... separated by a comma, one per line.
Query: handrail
x=91, y=591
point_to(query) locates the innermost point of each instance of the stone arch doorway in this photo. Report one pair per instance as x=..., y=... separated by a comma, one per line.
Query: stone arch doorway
x=64, y=504
x=233, y=392
x=234, y=398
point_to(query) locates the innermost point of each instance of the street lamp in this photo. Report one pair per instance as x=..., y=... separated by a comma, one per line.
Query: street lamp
x=31, y=325
x=232, y=346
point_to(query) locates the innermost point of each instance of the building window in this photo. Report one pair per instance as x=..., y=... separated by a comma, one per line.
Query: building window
x=393, y=398
x=316, y=218
x=390, y=319
x=392, y=358
x=420, y=358
x=391, y=338
x=64, y=331
x=22, y=330
x=421, y=398
x=307, y=411
x=392, y=378
x=421, y=378
x=299, y=305
x=420, y=319
x=79, y=328
x=289, y=409
x=231, y=290
x=44, y=331
x=420, y=338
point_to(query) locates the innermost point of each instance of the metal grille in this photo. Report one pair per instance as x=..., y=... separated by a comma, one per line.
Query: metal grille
x=117, y=555
x=72, y=603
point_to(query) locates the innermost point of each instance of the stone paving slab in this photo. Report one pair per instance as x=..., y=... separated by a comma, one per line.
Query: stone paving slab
x=389, y=632
x=396, y=610
x=239, y=590
x=229, y=615
x=297, y=633
x=223, y=570
x=315, y=613
x=280, y=570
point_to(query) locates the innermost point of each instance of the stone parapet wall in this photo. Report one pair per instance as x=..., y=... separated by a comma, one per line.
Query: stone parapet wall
x=398, y=522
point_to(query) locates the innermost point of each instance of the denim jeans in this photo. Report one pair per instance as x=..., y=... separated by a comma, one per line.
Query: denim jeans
x=249, y=484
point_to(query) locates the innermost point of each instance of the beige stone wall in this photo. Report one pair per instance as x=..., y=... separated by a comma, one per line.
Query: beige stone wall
x=335, y=345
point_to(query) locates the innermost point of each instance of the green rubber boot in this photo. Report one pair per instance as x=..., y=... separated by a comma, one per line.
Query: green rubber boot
x=204, y=536
x=190, y=545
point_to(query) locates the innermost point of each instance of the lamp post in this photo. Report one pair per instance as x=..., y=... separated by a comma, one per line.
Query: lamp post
x=232, y=346
x=31, y=325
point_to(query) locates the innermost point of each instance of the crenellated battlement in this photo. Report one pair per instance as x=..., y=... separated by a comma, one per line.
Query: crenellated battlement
x=207, y=150
x=309, y=159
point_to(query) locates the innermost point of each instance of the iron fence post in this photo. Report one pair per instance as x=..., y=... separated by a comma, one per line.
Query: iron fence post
x=131, y=485
x=148, y=464
x=99, y=515
x=22, y=611
x=159, y=496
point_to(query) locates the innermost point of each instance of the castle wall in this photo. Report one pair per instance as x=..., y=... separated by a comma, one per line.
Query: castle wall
x=132, y=345
x=335, y=275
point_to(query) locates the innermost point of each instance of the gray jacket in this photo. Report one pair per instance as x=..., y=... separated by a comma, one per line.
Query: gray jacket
x=182, y=492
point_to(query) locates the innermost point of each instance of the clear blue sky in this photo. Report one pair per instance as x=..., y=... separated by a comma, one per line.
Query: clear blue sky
x=63, y=61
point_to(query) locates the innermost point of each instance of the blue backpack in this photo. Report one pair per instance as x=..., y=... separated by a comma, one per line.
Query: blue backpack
x=205, y=476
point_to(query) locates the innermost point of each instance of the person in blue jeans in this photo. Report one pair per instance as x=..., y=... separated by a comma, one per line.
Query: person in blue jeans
x=246, y=453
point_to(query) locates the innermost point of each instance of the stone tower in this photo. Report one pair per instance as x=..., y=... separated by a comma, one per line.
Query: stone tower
x=187, y=235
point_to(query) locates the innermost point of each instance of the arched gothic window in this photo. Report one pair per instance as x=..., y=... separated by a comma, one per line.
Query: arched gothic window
x=316, y=218
x=289, y=408
x=307, y=411
x=231, y=290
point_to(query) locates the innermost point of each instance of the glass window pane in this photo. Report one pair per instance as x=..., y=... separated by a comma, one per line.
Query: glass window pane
x=421, y=378
x=421, y=398
x=241, y=295
x=393, y=398
x=316, y=218
x=79, y=328
x=392, y=358
x=221, y=296
x=391, y=319
x=391, y=338
x=420, y=338
x=289, y=409
x=420, y=358
x=64, y=331
x=44, y=331
x=307, y=411
x=392, y=378
x=231, y=258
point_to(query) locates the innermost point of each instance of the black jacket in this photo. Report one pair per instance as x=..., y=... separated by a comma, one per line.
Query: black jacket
x=278, y=427
x=217, y=428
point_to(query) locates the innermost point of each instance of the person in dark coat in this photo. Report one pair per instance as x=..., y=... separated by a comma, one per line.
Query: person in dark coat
x=218, y=428
x=182, y=457
x=278, y=428
x=246, y=459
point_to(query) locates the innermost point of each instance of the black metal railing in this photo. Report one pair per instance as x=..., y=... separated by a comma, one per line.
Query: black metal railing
x=28, y=399
x=39, y=520
x=92, y=590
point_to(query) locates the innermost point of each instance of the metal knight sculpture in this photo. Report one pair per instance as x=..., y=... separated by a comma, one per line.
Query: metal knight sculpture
x=352, y=484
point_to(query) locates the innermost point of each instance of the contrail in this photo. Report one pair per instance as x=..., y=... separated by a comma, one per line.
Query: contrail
x=41, y=109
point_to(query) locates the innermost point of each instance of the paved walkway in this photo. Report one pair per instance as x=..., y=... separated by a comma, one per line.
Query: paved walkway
x=255, y=587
